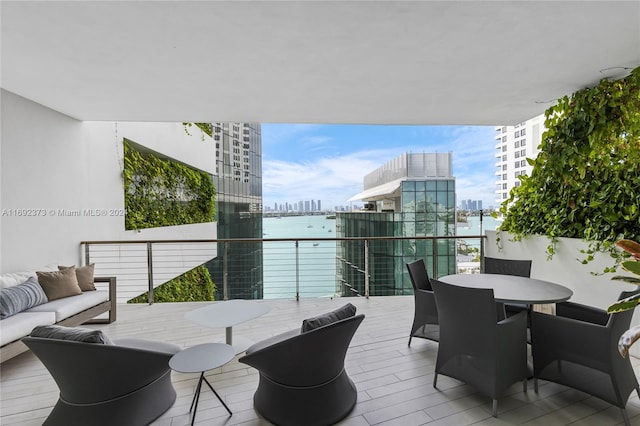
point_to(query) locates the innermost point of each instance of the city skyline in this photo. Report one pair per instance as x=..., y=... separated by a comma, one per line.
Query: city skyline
x=329, y=162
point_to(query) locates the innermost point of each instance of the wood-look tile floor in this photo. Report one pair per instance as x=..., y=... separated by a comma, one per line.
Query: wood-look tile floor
x=394, y=381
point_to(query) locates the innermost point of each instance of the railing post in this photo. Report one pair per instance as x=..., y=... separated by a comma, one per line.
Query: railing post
x=225, y=284
x=481, y=255
x=150, y=271
x=366, y=268
x=87, y=255
x=297, y=271
x=435, y=257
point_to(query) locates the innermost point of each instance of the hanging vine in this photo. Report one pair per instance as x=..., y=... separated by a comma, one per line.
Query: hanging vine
x=205, y=128
x=585, y=181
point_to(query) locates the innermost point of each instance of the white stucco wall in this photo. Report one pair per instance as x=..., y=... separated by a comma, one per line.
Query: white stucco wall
x=565, y=268
x=50, y=163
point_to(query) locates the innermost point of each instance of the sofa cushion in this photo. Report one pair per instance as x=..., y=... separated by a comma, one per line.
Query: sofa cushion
x=77, y=334
x=10, y=279
x=20, y=325
x=84, y=274
x=21, y=297
x=59, y=284
x=69, y=306
x=14, y=278
x=345, y=311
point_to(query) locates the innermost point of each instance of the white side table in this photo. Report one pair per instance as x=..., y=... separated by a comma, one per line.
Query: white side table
x=198, y=359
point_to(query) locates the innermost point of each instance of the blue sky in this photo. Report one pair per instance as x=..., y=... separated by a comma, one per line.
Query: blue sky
x=328, y=162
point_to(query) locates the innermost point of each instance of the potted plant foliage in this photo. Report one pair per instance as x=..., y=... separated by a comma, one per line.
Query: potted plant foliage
x=630, y=264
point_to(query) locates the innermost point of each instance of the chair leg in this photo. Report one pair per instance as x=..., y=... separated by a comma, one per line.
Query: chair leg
x=535, y=384
x=494, y=412
x=435, y=379
x=625, y=416
x=524, y=386
x=409, y=344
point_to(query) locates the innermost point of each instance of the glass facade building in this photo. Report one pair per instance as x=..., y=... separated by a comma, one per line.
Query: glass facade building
x=238, y=183
x=413, y=195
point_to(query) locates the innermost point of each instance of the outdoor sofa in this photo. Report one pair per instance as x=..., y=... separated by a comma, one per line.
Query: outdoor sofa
x=53, y=295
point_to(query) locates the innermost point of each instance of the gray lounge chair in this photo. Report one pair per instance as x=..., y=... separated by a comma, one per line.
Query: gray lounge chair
x=302, y=375
x=425, y=316
x=474, y=347
x=577, y=347
x=125, y=383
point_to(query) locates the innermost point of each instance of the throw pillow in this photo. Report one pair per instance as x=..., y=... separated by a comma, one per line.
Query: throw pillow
x=76, y=334
x=346, y=311
x=84, y=274
x=11, y=279
x=59, y=284
x=21, y=297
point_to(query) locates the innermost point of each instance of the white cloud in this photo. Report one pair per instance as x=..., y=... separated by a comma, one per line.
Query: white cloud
x=337, y=177
x=331, y=179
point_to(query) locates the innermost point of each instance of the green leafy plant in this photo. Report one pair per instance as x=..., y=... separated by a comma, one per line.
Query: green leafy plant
x=193, y=286
x=205, y=128
x=631, y=263
x=163, y=192
x=585, y=181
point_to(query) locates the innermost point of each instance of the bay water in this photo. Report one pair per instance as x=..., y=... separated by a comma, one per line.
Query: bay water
x=316, y=269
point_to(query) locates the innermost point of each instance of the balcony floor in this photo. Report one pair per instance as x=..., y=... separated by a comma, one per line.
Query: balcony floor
x=394, y=381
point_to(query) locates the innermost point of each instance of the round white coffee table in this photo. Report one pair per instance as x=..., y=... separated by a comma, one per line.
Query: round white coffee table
x=198, y=359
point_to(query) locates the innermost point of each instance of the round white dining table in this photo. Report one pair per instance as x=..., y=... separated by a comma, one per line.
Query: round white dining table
x=513, y=289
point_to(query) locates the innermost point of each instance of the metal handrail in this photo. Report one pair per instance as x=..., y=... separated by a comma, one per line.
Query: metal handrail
x=225, y=242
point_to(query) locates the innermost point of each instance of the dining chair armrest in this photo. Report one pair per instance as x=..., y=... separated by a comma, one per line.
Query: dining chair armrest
x=582, y=312
x=426, y=296
x=554, y=338
x=512, y=351
x=427, y=310
x=514, y=325
x=514, y=318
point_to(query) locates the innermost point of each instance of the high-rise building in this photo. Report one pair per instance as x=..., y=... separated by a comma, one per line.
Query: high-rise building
x=514, y=144
x=319, y=206
x=412, y=195
x=238, y=183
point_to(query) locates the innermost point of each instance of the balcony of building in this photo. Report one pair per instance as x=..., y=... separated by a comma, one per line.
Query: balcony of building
x=394, y=381
x=65, y=73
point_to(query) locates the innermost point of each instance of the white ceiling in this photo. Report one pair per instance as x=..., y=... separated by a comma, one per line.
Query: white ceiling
x=385, y=62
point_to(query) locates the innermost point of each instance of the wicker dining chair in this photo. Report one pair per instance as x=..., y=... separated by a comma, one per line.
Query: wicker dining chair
x=425, y=316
